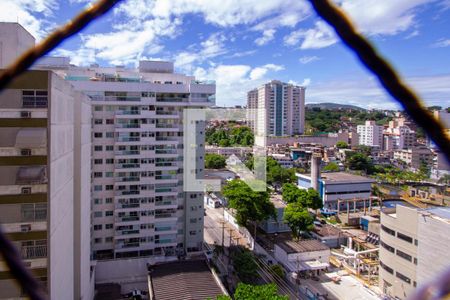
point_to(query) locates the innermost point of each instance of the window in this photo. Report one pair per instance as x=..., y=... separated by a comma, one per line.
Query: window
x=98, y=201
x=110, y=134
x=109, y=213
x=98, y=121
x=108, y=226
x=404, y=255
x=98, y=227
x=109, y=161
x=98, y=174
x=109, y=121
x=193, y=220
x=388, y=230
x=98, y=148
x=404, y=237
x=98, y=108
x=98, y=214
x=98, y=135
x=387, y=247
x=403, y=277
x=192, y=232
x=98, y=188
x=34, y=99
x=109, y=187
x=108, y=200
x=109, y=148
x=98, y=240
x=109, y=239
x=98, y=161
x=388, y=269
x=109, y=174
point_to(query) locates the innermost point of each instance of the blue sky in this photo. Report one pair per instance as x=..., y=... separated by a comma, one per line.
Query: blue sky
x=244, y=43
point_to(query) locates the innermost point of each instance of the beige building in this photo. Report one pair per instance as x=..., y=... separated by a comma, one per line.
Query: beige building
x=413, y=248
x=45, y=183
x=370, y=134
x=284, y=106
x=414, y=157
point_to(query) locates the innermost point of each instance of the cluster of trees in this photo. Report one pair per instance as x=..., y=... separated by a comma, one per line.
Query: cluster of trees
x=276, y=174
x=296, y=213
x=256, y=292
x=244, y=264
x=330, y=120
x=214, y=161
x=250, y=206
x=237, y=135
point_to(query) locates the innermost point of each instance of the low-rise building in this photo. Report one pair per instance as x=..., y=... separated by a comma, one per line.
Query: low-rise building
x=302, y=256
x=340, y=188
x=240, y=152
x=329, y=235
x=414, y=248
x=278, y=225
x=283, y=160
x=415, y=157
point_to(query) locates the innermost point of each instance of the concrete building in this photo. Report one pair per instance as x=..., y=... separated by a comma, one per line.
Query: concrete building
x=240, y=152
x=308, y=256
x=339, y=189
x=283, y=160
x=370, y=134
x=139, y=206
x=414, y=248
x=15, y=40
x=278, y=225
x=284, y=105
x=398, y=136
x=45, y=171
x=415, y=157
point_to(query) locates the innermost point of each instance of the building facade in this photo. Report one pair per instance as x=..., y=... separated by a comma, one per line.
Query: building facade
x=415, y=157
x=45, y=183
x=284, y=105
x=413, y=248
x=370, y=134
x=139, y=206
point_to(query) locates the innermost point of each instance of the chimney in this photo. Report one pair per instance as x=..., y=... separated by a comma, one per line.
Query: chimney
x=316, y=161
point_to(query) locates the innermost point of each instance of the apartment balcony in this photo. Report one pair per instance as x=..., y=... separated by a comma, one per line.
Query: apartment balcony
x=23, y=113
x=25, y=226
x=134, y=233
x=167, y=166
x=166, y=229
x=133, y=179
x=127, y=193
x=127, y=154
x=34, y=257
x=163, y=114
x=127, y=114
x=127, y=140
x=23, y=213
x=127, y=206
x=128, y=166
x=168, y=138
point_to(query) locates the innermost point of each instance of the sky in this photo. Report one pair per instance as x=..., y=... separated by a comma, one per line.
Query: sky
x=242, y=44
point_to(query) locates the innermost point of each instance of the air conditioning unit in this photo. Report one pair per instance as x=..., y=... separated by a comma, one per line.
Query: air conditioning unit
x=25, y=152
x=26, y=190
x=25, y=228
x=25, y=114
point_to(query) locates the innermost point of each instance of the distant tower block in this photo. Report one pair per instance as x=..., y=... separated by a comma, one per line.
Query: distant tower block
x=316, y=161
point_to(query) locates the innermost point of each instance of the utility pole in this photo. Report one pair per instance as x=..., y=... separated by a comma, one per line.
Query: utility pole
x=223, y=226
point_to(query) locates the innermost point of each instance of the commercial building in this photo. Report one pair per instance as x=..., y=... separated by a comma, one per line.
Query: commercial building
x=415, y=157
x=414, y=248
x=284, y=105
x=139, y=206
x=370, y=134
x=45, y=183
x=338, y=190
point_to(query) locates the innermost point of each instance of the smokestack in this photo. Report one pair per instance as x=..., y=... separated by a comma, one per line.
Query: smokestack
x=316, y=161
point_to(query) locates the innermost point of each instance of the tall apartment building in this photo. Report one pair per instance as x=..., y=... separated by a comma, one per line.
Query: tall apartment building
x=45, y=183
x=414, y=248
x=370, y=134
x=398, y=136
x=139, y=207
x=284, y=104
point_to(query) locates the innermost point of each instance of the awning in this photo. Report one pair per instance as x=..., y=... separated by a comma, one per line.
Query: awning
x=31, y=138
x=313, y=265
x=31, y=175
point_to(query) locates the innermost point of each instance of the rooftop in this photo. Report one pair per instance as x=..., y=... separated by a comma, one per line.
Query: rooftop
x=301, y=246
x=340, y=177
x=277, y=200
x=184, y=280
x=327, y=230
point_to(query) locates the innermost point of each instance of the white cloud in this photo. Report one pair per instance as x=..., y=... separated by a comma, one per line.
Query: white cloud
x=442, y=43
x=267, y=36
x=321, y=36
x=308, y=59
x=305, y=82
x=234, y=81
x=31, y=14
x=242, y=54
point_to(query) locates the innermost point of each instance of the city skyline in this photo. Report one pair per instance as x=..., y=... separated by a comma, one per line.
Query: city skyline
x=241, y=45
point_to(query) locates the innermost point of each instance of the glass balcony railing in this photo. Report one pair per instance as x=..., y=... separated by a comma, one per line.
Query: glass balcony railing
x=31, y=252
x=127, y=192
x=126, y=232
x=127, y=219
x=128, y=205
x=128, y=139
x=128, y=152
x=127, y=179
x=127, y=112
x=127, y=166
x=167, y=215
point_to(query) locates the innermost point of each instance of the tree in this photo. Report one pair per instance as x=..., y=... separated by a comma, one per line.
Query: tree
x=341, y=145
x=359, y=161
x=298, y=219
x=313, y=199
x=214, y=161
x=249, y=205
x=258, y=292
x=331, y=167
x=244, y=264
x=424, y=170
x=277, y=270
x=290, y=193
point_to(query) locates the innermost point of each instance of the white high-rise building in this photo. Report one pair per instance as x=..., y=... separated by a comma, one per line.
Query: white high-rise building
x=139, y=208
x=284, y=104
x=370, y=134
x=45, y=151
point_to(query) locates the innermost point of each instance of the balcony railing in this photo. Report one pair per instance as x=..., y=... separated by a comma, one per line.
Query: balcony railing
x=34, y=215
x=126, y=232
x=31, y=252
x=128, y=152
x=129, y=205
x=127, y=112
x=128, y=139
x=127, y=219
x=166, y=215
x=127, y=192
x=127, y=166
x=127, y=126
x=127, y=179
